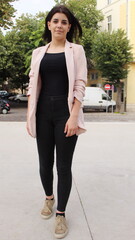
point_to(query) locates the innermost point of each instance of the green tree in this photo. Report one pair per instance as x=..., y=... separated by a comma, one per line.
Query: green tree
x=35, y=38
x=3, y=60
x=112, y=55
x=6, y=13
x=19, y=46
x=16, y=49
x=16, y=58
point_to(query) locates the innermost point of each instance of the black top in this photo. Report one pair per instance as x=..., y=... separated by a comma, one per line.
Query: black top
x=54, y=77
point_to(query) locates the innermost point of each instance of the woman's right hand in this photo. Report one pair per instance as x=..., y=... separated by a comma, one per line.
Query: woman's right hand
x=27, y=125
x=28, y=130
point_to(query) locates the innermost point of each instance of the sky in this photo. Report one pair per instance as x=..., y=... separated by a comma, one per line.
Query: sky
x=32, y=6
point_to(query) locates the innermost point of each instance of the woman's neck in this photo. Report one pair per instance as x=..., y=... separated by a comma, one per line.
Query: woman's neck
x=56, y=46
x=58, y=43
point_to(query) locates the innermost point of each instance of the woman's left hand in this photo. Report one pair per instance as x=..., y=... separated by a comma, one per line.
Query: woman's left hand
x=71, y=126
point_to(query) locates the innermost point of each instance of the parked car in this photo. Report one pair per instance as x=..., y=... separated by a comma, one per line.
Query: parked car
x=3, y=93
x=97, y=99
x=21, y=98
x=12, y=97
x=4, y=106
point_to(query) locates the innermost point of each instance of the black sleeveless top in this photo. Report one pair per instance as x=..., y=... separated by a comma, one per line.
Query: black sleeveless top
x=54, y=77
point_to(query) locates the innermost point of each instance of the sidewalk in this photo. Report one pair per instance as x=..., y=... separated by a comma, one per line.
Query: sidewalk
x=102, y=201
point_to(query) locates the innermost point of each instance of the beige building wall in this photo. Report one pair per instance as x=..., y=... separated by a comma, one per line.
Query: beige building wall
x=131, y=75
x=132, y=24
x=107, y=10
x=131, y=87
x=122, y=13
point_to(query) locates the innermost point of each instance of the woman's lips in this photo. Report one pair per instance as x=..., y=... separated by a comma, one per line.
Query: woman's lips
x=58, y=32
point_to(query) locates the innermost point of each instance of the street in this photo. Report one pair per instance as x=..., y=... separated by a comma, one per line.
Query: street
x=18, y=114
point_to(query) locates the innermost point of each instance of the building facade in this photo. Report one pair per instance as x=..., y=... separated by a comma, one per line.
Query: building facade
x=121, y=14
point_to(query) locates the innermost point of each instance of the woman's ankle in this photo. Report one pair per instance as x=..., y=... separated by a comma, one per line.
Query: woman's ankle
x=50, y=197
x=60, y=213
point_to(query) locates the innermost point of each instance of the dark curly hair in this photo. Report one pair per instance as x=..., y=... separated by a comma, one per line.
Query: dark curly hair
x=75, y=31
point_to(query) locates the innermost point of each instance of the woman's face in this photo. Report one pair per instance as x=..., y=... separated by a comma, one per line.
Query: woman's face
x=59, y=26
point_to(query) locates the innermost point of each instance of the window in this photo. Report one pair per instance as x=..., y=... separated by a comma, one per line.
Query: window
x=109, y=19
x=94, y=76
x=109, y=1
x=106, y=97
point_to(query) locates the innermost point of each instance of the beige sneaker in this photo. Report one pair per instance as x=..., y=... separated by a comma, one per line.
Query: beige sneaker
x=61, y=228
x=47, y=210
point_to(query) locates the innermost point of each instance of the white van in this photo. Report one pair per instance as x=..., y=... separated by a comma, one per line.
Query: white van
x=97, y=99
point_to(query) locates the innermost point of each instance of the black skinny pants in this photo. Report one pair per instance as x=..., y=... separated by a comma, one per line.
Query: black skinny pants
x=51, y=117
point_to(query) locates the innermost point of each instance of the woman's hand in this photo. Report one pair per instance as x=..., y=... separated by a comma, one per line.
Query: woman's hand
x=27, y=125
x=71, y=126
x=28, y=130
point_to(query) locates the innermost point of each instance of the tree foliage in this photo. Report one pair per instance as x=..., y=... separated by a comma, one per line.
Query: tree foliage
x=17, y=47
x=112, y=55
x=6, y=13
x=3, y=72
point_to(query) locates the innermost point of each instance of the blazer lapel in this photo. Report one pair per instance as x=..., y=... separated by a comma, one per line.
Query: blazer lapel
x=39, y=57
x=70, y=66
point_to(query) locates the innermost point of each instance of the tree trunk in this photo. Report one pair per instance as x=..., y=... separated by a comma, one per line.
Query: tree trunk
x=118, y=100
x=22, y=88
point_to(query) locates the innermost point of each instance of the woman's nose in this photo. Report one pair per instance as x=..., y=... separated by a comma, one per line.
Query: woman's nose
x=59, y=24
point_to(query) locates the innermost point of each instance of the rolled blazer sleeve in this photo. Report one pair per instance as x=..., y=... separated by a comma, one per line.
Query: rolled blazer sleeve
x=31, y=75
x=80, y=74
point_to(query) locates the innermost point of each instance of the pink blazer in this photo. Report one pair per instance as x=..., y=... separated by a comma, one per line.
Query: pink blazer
x=77, y=75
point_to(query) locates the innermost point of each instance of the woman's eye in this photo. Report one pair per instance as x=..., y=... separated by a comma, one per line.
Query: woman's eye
x=64, y=22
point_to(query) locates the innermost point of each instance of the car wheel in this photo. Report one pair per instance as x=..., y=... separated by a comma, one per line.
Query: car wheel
x=110, y=109
x=18, y=101
x=4, y=111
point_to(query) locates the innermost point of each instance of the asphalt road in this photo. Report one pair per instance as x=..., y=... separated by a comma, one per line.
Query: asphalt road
x=18, y=114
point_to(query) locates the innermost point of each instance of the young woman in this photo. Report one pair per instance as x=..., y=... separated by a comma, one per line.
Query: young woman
x=57, y=84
